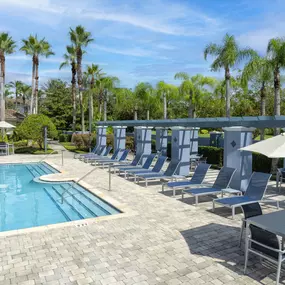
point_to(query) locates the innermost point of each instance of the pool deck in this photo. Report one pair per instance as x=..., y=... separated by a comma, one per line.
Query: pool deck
x=158, y=240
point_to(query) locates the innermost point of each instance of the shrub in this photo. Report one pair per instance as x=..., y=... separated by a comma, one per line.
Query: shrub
x=77, y=141
x=64, y=138
x=32, y=150
x=130, y=143
x=32, y=128
x=204, y=132
x=214, y=154
x=22, y=143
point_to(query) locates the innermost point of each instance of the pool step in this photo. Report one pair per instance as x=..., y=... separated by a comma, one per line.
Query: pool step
x=39, y=169
x=94, y=203
x=74, y=203
x=73, y=214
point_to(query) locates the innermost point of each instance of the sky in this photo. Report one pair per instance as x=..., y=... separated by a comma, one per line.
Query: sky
x=138, y=41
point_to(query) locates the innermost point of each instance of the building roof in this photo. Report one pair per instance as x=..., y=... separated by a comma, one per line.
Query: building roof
x=13, y=115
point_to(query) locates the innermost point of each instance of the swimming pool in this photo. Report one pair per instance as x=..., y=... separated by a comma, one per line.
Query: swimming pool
x=25, y=203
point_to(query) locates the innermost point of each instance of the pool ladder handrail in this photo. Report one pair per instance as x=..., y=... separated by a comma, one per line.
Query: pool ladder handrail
x=75, y=183
x=47, y=156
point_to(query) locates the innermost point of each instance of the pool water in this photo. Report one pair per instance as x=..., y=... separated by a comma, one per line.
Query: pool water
x=25, y=203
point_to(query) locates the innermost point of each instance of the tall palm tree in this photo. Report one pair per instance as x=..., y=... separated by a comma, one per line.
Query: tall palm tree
x=93, y=73
x=166, y=92
x=192, y=88
x=36, y=48
x=17, y=85
x=26, y=93
x=7, y=46
x=106, y=86
x=70, y=60
x=80, y=38
x=227, y=55
x=144, y=91
x=258, y=69
x=276, y=58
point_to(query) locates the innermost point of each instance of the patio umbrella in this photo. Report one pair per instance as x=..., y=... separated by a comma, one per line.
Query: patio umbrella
x=273, y=147
x=5, y=125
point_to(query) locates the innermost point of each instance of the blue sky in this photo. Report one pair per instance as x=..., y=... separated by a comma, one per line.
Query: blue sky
x=137, y=40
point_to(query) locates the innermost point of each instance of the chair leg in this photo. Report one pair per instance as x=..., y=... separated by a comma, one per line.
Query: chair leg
x=182, y=193
x=233, y=213
x=196, y=200
x=162, y=187
x=213, y=208
x=246, y=248
x=146, y=183
x=174, y=192
x=241, y=232
x=278, y=268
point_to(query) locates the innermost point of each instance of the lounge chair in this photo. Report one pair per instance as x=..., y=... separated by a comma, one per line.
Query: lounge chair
x=266, y=245
x=120, y=158
x=197, y=179
x=114, y=156
x=4, y=148
x=156, y=168
x=99, y=151
x=254, y=193
x=137, y=168
x=222, y=181
x=167, y=174
x=94, y=150
x=104, y=154
x=135, y=162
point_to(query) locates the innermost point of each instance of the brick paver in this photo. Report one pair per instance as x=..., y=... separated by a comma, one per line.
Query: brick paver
x=163, y=241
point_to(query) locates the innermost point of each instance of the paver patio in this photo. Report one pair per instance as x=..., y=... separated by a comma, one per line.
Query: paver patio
x=162, y=241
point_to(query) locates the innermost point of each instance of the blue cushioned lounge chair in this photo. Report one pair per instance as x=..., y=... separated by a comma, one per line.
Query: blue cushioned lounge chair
x=156, y=168
x=222, y=181
x=133, y=169
x=115, y=155
x=136, y=161
x=93, y=151
x=97, y=150
x=104, y=154
x=254, y=192
x=119, y=159
x=197, y=179
x=167, y=174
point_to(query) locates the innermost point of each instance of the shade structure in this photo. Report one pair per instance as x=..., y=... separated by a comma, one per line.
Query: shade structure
x=5, y=125
x=273, y=147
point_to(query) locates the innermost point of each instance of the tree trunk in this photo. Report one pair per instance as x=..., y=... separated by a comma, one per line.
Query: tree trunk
x=164, y=106
x=228, y=95
x=100, y=110
x=105, y=109
x=16, y=94
x=73, y=91
x=276, y=111
x=79, y=81
x=191, y=109
x=147, y=114
x=262, y=106
x=136, y=113
x=33, y=85
x=91, y=98
x=37, y=86
x=2, y=86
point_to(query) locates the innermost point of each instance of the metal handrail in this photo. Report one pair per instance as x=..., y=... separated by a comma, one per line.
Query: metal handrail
x=47, y=156
x=75, y=183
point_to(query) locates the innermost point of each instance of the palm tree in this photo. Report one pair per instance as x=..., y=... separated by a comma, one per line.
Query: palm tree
x=93, y=73
x=80, y=38
x=276, y=58
x=144, y=91
x=7, y=46
x=106, y=86
x=258, y=69
x=193, y=88
x=70, y=60
x=227, y=55
x=36, y=48
x=17, y=85
x=26, y=93
x=166, y=92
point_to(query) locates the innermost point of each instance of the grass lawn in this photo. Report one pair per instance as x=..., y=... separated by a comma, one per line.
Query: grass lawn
x=69, y=146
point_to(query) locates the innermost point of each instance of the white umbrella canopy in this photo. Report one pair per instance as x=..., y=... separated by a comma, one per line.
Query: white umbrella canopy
x=5, y=125
x=273, y=147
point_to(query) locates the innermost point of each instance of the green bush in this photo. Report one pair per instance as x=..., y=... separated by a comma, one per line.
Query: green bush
x=32, y=128
x=130, y=143
x=22, y=143
x=214, y=154
x=64, y=137
x=204, y=132
x=78, y=141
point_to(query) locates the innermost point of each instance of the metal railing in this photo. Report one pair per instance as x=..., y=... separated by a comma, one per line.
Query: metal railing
x=75, y=183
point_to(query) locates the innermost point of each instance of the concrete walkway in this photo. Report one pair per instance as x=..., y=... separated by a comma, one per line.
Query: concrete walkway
x=162, y=240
